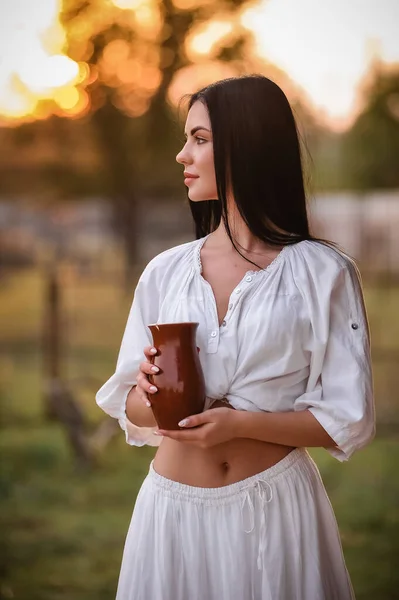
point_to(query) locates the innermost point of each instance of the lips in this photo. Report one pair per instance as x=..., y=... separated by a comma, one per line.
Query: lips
x=189, y=178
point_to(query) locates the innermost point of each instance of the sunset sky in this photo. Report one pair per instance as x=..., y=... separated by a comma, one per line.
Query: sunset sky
x=326, y=46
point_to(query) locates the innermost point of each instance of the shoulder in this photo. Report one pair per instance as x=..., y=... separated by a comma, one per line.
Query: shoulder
x=318, y=257
x=178, y=260
x=321, y=267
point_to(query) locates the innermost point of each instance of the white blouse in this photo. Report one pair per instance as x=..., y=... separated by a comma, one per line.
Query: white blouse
x=295, y=337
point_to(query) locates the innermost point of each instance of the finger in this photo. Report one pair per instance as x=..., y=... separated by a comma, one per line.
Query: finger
x=182, y=436
x=195, y=420
x=145, y=385
x=148, y=368
x=150, y=352
x=141, y=394
x=145, y=400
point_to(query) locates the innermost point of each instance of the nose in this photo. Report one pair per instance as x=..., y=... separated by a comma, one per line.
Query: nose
x=183, y=157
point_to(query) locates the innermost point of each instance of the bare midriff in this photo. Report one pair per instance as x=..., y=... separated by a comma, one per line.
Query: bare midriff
x=218, y=465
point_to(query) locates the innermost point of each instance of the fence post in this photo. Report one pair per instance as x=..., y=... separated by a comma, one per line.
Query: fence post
x=60, y=403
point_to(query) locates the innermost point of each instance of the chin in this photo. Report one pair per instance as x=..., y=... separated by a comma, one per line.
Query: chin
x=195, y=197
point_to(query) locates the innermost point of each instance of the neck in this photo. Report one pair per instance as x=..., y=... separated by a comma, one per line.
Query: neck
x=246, y=242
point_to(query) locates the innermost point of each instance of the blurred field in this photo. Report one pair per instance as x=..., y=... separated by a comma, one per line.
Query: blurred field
x=63, y=530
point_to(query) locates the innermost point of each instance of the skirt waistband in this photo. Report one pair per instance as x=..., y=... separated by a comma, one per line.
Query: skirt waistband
x=224, y=494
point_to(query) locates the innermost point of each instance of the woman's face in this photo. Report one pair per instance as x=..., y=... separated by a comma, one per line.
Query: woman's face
x=197, y=155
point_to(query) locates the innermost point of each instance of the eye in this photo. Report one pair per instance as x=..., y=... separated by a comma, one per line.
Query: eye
x=200, y=140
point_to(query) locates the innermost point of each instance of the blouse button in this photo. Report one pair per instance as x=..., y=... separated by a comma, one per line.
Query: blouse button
x=214, y=333
x=355, y=326
x=224, y=323
x=238, y=290
x=249, y=278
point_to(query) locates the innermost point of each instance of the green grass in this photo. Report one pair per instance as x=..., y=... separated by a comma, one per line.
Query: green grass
x=63, y=529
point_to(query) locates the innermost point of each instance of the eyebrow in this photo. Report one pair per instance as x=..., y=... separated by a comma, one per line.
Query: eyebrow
x=195, y=129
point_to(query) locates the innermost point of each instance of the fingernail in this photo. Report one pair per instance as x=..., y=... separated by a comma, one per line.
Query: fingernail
x=148, y=403
x=153, y=350
x=183, y=423
x=154, y=369
x=158, y=433
x=153, y=388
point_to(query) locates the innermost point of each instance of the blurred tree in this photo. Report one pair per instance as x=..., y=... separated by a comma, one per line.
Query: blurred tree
x=133, y=56
x=370, y=149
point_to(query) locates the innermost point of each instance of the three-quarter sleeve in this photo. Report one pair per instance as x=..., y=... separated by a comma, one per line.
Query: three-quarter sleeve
x=339, y=390
x=113, y=394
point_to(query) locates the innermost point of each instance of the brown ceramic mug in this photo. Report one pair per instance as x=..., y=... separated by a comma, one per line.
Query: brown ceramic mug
x=180, y=380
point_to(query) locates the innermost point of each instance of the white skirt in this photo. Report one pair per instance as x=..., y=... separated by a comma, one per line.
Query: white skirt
x=272, y=536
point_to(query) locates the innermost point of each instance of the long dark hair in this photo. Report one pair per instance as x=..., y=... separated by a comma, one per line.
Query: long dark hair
x=256, y=149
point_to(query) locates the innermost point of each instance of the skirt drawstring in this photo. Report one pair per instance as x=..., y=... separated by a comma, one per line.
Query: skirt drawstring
x=265, y=492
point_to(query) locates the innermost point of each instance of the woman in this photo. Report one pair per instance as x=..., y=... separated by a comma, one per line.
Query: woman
x=233, y=507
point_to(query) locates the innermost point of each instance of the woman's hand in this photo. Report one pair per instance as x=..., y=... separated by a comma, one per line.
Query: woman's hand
x=144, y=387
x=209, y=428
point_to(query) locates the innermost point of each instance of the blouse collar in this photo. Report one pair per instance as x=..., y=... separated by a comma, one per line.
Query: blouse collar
x=274, y=263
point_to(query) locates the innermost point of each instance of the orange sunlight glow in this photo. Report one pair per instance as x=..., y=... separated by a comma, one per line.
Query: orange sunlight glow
x=327, y=47
x=32, y=65
x=146, y=14
x=127, y=4
x=324, y=47
x=204, y=38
